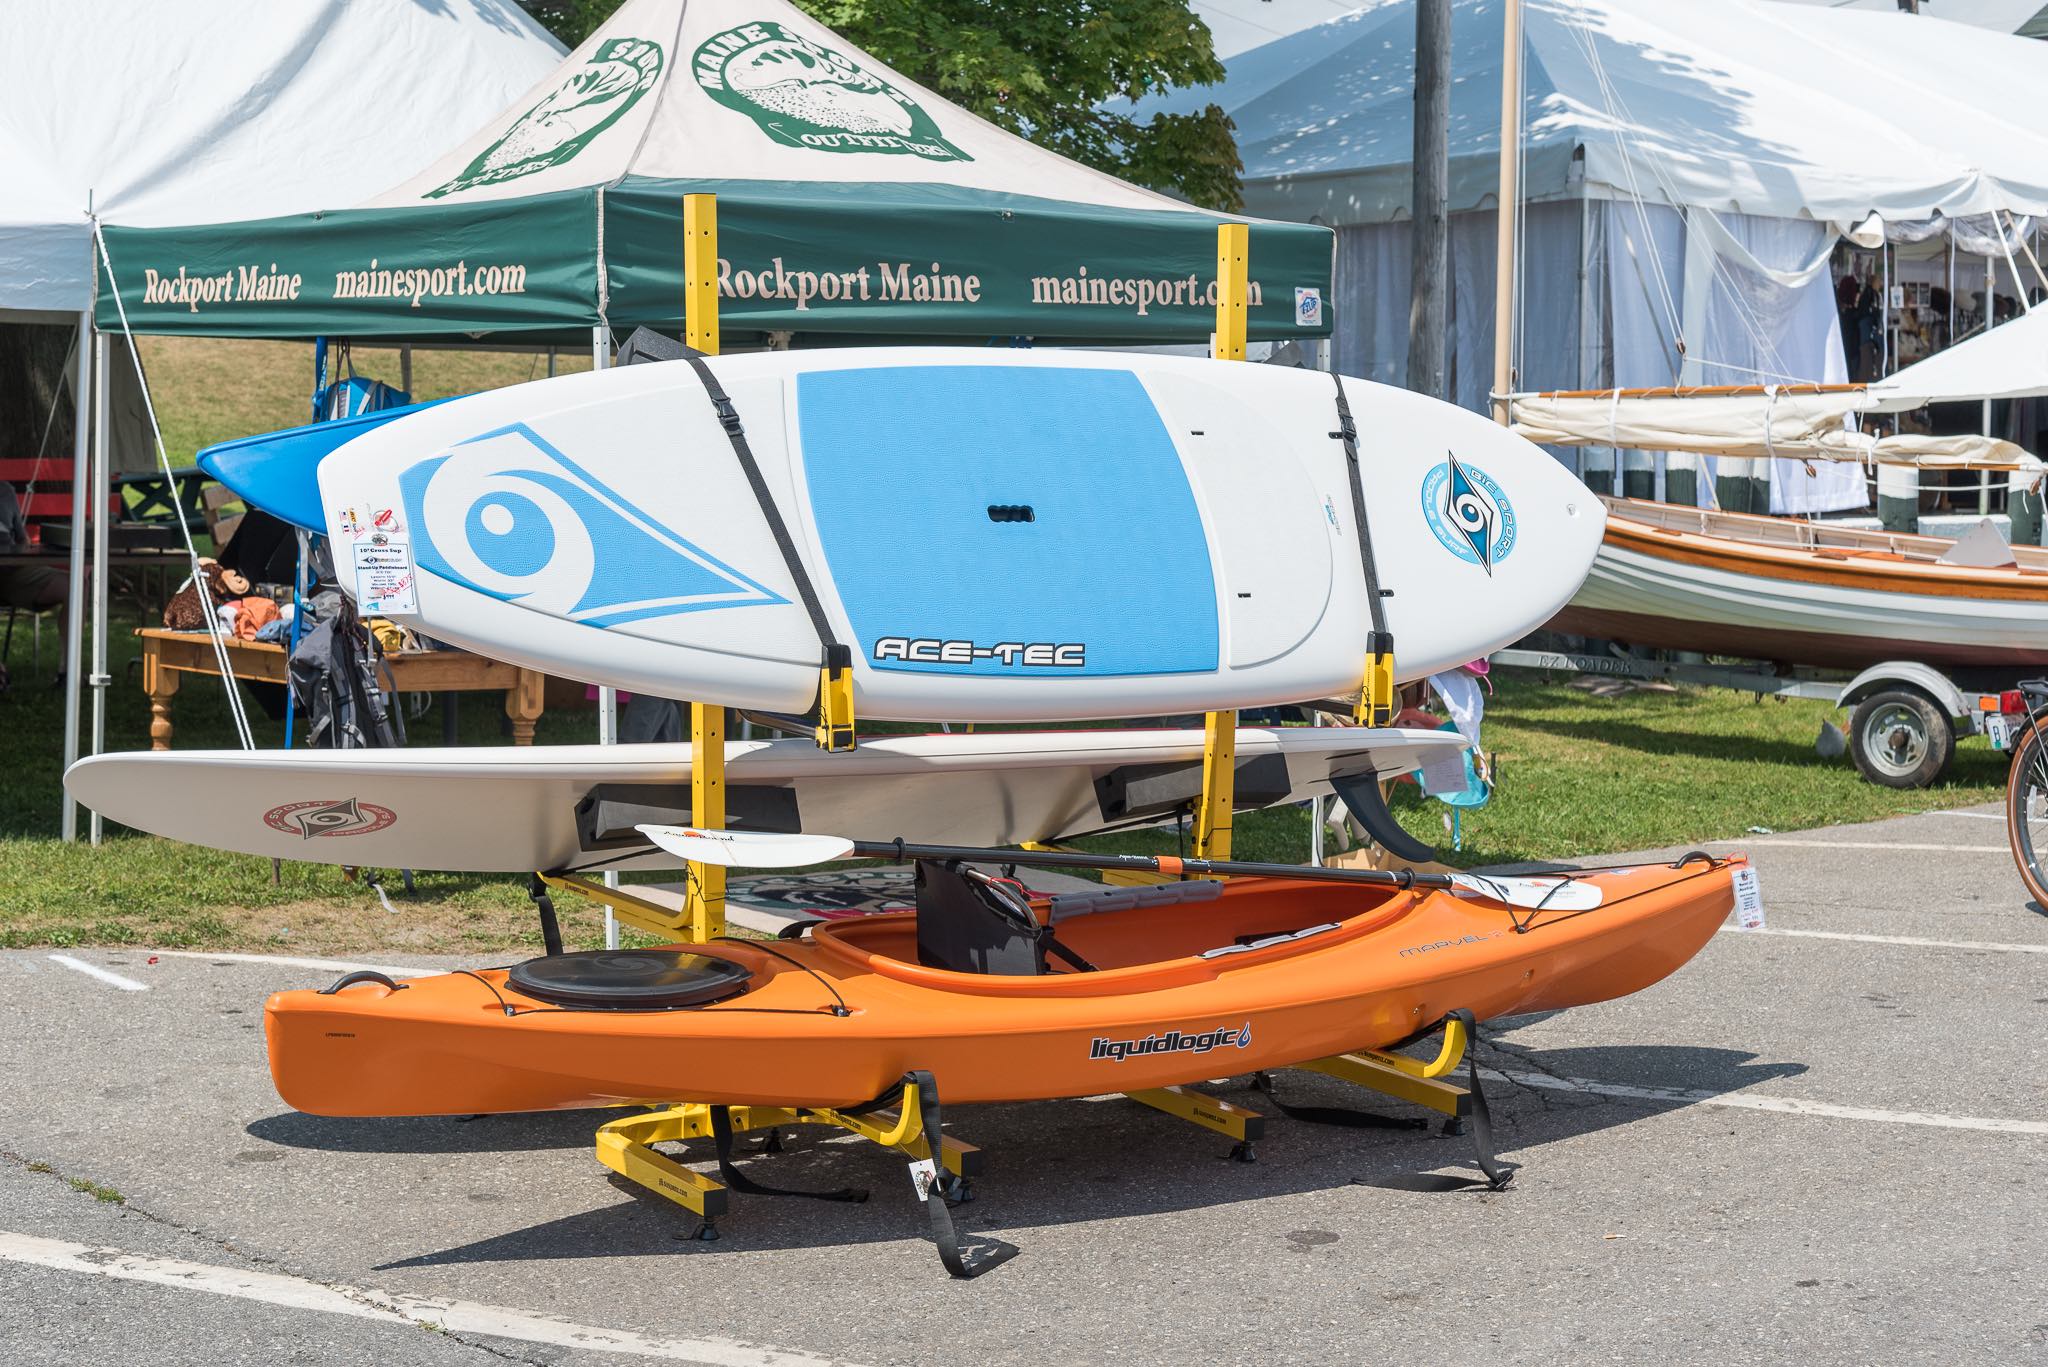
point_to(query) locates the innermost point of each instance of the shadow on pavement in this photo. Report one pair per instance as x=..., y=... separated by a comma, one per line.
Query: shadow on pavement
x=1074, y=1162
x=429, y=1134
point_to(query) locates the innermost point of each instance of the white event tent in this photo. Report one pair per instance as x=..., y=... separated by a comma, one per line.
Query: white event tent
x=1687, y=171
x=189, y=111
x=192, y=111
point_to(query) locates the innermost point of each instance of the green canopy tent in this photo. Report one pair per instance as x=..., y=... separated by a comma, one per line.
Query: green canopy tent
x=852, y=203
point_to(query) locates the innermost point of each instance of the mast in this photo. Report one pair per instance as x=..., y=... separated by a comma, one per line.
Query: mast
x=1509, y=199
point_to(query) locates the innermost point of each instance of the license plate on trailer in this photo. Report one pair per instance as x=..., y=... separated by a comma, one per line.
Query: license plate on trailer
x=1999, y=729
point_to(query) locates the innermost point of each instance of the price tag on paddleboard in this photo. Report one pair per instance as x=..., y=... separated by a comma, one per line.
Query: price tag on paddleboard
x=385, y=584
x=923, y=1172
x=1749, y=900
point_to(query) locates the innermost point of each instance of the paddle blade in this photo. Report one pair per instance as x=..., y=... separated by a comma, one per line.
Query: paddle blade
x=1535, y=894
x=748, y=849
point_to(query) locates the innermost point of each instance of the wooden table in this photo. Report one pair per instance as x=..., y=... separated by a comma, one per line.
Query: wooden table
x=168, y=654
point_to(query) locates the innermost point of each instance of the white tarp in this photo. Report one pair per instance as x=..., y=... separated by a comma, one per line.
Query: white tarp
x=1801, y=427
x=684, y=90
x=2008, y=362
x=194, y=111
x=1741, y=106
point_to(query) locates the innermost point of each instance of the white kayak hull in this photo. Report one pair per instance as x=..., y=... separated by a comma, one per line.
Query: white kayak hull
x=514, y=809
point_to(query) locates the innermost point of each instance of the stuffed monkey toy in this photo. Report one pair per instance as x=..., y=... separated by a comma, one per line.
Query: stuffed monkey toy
x=186, y=613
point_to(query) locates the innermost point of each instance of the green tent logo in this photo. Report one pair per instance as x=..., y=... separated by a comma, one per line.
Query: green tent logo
x=593, y=98
x=805, y=95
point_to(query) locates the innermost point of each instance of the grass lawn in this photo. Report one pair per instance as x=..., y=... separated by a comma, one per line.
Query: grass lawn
x=1579, y=776
x=212, y=389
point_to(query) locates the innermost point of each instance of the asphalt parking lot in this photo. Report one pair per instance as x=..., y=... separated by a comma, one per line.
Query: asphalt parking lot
x=1822, y=1142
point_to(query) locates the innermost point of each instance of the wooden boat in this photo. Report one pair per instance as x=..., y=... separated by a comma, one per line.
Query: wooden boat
x=1002, y=998
x=1805, y=592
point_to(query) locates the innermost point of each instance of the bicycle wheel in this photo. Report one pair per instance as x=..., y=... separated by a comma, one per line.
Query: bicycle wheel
x=2026, y=806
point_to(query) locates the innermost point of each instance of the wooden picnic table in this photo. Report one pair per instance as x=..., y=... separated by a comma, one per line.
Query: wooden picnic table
x=166, y=655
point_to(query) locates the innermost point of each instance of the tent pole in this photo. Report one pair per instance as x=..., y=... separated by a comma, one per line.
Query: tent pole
x=1428, y=282
x=1990, y=314
x=74, y=598
x=607, y=698
x=102, y=491
x=1509, y=199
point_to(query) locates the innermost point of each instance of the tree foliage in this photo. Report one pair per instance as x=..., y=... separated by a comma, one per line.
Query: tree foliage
x=1064, y=73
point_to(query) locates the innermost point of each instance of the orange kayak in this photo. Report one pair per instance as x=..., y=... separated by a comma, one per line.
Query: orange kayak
x=1141, y=988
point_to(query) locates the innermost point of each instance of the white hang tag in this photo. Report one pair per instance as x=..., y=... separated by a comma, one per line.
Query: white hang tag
x=923, y=1173
x=385, y=582
x=1749, y=900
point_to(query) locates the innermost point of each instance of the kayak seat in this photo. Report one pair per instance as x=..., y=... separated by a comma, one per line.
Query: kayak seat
x=971, y=922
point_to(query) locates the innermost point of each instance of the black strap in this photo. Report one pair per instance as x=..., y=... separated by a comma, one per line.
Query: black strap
x=1050, y=942
x=1498, y=1174
x=943, y=1233
x=1347, y=430
x=550, y=927
x=721, y=1138
x=836, y=655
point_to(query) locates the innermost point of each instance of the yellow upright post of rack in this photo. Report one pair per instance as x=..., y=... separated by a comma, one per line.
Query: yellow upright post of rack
x=704, y=905
x=1219, y=742
x=700, y=272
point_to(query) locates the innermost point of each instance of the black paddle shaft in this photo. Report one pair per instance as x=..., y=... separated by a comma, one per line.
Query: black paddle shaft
x=902, y=852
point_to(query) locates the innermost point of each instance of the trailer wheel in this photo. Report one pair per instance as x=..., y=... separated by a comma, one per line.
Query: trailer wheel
x=1901, y=739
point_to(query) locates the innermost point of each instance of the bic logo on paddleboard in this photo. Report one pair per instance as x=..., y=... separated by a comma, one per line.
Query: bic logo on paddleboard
x=1469, y=513
x=509, y=515
x=589, y=100
x=803, y=94
x=929, y=650
x=325, y=816
x=1171, y=1042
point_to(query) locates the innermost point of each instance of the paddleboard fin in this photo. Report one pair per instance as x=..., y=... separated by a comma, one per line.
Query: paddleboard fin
x=1360, y=794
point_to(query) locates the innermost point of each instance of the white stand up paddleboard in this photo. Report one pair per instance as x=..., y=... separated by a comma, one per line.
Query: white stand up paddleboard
x=514, y=809
x=990, y=534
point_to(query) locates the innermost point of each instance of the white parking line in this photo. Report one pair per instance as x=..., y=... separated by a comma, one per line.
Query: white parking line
x=1738, y=1101
x=1974, y=816
x=1913, y=940
x=459, y=1317
x=93, y=971
x=1770, y=841
x=328, y=965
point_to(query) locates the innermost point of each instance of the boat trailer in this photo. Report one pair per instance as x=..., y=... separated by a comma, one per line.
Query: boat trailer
x=1906, y=717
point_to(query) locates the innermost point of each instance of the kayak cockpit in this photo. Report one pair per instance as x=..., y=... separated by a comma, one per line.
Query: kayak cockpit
x=1119, y=939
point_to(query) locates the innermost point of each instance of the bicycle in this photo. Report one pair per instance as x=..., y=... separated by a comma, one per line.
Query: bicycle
x=2026, y=791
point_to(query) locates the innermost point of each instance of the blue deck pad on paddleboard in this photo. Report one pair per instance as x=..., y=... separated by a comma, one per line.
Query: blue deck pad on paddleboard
x=1035, y=521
